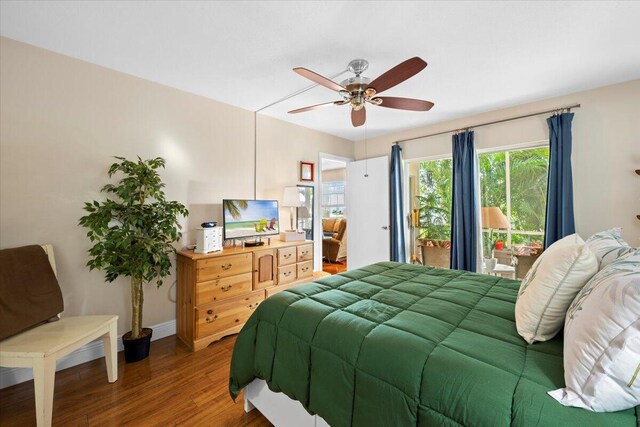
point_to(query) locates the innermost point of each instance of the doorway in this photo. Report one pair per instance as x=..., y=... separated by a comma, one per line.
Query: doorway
x=333, y=214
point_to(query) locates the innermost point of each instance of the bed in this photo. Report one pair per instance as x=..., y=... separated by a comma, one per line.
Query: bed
x=403, y=345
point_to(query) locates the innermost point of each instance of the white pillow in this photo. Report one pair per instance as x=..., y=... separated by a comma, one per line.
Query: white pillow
x=602, y=341
x=608, y=246
x=549, y=287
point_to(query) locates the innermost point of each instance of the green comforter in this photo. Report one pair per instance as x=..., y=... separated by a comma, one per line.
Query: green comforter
x=401, y=345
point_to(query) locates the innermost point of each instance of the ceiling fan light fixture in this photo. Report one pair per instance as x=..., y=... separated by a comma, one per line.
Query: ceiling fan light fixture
x=359, y=90
x=369, y=92
x=345, y=94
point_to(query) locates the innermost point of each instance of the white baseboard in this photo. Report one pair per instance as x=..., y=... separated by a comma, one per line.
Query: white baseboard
x=86, y=353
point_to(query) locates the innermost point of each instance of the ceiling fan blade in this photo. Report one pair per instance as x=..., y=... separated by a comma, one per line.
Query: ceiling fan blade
x=313, y=107
x=317, y=78
x=405, y=103
x=398, y=74
x=358, y=117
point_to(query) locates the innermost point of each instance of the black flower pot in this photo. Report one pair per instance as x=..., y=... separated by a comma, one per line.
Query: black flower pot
x=137, y=349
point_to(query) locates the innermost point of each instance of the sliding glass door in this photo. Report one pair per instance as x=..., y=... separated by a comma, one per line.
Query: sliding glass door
x=512, y=181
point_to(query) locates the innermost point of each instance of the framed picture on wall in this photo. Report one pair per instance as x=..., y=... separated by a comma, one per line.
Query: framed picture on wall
x=306, y=171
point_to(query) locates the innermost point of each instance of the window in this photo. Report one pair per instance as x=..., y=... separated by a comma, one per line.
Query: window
x=434, y=199
x=516, y=182
x=333, y=201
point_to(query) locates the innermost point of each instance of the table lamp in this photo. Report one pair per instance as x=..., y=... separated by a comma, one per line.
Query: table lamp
x=492, y=219
x=291, y=200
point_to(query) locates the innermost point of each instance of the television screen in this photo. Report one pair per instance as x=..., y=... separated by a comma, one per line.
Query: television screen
x=248, y=218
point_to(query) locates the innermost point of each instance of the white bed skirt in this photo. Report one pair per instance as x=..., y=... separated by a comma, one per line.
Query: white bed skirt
x=278, y=407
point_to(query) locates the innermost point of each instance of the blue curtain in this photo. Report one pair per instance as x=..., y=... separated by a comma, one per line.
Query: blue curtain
x=397, y=214
x=559, y=221
x=464, y=214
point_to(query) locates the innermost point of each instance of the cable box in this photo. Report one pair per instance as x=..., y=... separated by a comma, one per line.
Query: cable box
x=253, y=244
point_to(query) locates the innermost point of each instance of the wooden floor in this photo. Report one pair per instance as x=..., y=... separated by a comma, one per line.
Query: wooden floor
x=334, y=267
x=172, y=387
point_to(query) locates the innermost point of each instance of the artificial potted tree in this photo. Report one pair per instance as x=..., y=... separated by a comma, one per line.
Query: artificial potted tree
x=132, y=233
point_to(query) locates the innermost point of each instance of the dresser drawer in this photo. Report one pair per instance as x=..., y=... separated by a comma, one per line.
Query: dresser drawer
x=219, y=316
x=305, y=269
x=224, y=266
x=287, y=256
x=305, y=253
x=286, y=274
x=225, y=287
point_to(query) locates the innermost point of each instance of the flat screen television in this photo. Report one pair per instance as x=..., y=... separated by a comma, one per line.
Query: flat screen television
x=250, y=218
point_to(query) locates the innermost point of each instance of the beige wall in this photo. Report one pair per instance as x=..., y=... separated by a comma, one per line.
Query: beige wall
x=606, y=150
x=334, y=175
x=61, y=121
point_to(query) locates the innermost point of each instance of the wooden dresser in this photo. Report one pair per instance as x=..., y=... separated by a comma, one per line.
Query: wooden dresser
x=217, y=292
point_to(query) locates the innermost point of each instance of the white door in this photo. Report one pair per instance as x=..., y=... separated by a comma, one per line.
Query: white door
x=368, y=212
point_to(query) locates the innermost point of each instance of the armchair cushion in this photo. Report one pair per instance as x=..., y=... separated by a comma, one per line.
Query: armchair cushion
x=328, y=224
x=29, y=290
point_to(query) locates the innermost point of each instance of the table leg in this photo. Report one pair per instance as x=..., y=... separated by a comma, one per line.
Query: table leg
x=44, y=378
x=109, y=341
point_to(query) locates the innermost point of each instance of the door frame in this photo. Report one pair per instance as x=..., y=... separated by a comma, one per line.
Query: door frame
x=317, y=232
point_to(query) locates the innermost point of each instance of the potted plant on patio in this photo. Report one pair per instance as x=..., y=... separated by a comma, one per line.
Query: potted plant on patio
x=132, y=233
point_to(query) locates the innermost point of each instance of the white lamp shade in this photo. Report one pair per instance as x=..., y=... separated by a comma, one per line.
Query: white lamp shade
x=291, y=197
x=492, y=217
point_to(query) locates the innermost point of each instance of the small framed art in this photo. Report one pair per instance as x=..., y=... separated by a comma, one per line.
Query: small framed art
x=306, y=171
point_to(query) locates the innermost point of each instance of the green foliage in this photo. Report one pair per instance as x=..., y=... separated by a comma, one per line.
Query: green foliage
x=528, y=179
x=529, y=188
x=435, y=181
x=132, y=230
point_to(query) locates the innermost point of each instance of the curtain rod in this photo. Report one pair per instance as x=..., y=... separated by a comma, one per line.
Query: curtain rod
x=555, y=110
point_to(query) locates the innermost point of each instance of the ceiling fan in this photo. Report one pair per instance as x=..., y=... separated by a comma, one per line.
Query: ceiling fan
x=359, y=90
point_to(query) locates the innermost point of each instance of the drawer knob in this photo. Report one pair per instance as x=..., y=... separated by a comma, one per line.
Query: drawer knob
x=211, y=319
x=209, y=311
x=253, y=306
x=305, y=268
x=286, y=274
x=226, y=266
x=226, y=288
x=287, y=256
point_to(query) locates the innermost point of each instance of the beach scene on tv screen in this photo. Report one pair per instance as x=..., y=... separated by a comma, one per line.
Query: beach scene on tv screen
x=244, y=218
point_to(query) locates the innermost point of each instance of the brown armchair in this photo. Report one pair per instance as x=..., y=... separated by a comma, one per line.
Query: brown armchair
x=335, y=248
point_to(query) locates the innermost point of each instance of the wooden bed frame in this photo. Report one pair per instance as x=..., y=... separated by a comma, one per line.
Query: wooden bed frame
x=278, y=407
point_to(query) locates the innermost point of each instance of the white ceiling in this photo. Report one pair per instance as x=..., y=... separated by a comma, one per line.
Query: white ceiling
x=482, y=55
